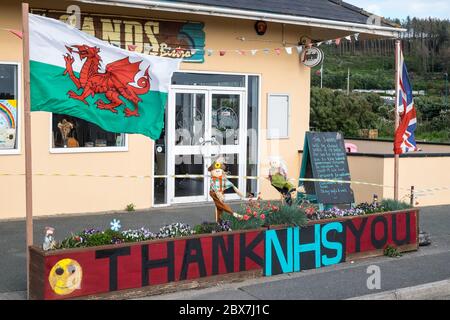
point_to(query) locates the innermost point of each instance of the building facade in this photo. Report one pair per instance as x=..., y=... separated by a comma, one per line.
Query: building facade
x=238, y=94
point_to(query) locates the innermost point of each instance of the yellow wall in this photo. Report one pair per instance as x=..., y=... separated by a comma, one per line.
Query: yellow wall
x=53, y=195
x=366, y=169
x=422, y=173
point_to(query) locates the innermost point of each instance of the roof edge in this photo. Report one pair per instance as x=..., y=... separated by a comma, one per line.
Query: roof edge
x=252, y=15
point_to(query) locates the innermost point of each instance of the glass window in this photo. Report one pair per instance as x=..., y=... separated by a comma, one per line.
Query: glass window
x=207, y=79
x=72, y=132
x=278, y=116
x=160, y=169
x=252, y=133
x=225, y=118
x=8, y=106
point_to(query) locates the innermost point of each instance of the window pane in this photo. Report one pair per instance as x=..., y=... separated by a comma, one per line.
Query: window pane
x=160, y=168
x=252, y=133
x=8, y=106
x=225, y=118
x=204, y=79
x=74, y=132
x=189, y=164
x=232, y=163
x=190, y=118
x=278, y=117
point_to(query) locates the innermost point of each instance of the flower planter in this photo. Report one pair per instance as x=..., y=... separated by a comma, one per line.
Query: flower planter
x=160, y=266
x=368, y=235
x=128, y=267
x=330, y=241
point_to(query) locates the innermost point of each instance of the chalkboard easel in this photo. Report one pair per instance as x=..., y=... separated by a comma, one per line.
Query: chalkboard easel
x=325, y=157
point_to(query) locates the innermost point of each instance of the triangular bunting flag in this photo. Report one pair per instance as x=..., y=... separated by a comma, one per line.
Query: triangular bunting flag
x=299, y=49
x=254, y=51
x=319, y=43
x=222, y=53
x=356, y=35
x=266, y=51
x=278, y=51
x=337, y=41
x=132, y=47
x=288, y=50
x=349, y=38
x=210, y=52
x=18, y=33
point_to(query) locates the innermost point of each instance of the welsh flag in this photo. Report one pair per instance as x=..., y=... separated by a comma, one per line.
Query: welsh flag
x=77, y=74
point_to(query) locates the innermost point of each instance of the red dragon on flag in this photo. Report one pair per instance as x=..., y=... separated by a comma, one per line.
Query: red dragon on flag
x=114, y=82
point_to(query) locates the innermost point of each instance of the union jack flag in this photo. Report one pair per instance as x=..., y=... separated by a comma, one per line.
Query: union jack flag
x=404, y=140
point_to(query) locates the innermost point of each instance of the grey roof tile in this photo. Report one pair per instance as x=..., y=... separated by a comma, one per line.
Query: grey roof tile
x=321, y=9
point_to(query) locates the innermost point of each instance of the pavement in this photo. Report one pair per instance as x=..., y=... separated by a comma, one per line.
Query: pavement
x=424, y=274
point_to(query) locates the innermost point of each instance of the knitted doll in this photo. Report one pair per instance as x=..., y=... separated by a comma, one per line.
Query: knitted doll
x=49, y=240
x=278, y=179
x=220, y=183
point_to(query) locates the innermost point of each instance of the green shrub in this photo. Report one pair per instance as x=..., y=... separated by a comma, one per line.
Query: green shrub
x=290, y=215
x=238, y=224
x=130, y=207
x=212, y=227
x=391, y=252
x=393, y=205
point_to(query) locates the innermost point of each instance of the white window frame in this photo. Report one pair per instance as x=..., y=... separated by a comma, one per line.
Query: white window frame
x=270, y=136
x=17, y=149
x=53, y=150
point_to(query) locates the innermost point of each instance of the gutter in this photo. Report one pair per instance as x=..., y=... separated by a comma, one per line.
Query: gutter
x=251, y=15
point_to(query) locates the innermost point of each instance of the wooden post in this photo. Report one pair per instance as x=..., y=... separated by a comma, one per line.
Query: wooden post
x=411, y=197
x=397, y=118
x=27, y=122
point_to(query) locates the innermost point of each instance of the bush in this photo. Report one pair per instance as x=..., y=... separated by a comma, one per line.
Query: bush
x=212, y=227
x=288, y=215
x=393, y=205
x=92, y=238
x=238, y=224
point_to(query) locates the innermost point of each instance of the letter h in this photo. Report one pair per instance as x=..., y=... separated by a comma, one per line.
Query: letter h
x=168, y=263
x=300, y=248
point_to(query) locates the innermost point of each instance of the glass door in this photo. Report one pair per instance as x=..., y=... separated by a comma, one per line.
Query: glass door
x=228, y=135
x=203, y=125
x=187, y=130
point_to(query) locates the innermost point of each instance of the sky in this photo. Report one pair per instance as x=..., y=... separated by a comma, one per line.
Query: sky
x=402, y=8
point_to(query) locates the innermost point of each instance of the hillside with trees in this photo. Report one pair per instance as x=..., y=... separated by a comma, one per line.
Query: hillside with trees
x=426, y=47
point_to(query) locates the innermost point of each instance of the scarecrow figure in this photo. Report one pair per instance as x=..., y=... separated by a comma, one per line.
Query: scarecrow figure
x=278, y=179
x=49, y=240
x=220, y=183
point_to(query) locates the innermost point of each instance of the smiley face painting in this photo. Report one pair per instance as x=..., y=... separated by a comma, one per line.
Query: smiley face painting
x=65, y=276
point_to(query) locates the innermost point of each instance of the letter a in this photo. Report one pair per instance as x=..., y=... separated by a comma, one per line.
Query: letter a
x=374, y=280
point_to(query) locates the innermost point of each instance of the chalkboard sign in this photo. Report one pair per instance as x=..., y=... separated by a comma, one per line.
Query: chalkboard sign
x=324, y=157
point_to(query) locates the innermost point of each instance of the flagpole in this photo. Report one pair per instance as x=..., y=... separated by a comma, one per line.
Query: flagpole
x=27, y=123
x=397, y=117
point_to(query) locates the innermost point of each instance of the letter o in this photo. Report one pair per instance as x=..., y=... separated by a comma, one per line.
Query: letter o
x=379, y=243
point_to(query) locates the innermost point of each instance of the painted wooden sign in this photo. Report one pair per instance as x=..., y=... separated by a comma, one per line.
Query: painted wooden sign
x=173, y=39
x=324, y=157
x=88, y=271
x=70, y=273
x=334, y=241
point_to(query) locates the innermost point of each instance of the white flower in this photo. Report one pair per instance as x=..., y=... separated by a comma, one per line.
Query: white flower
x=115, y=225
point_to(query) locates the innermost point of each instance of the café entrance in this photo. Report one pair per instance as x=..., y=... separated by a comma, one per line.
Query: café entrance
x=207, y=118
